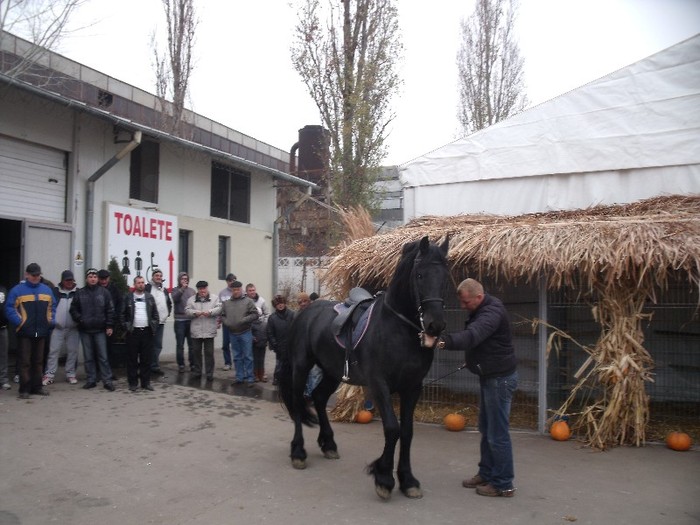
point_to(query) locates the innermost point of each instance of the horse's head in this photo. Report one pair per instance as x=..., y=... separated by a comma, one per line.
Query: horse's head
x=429, y=277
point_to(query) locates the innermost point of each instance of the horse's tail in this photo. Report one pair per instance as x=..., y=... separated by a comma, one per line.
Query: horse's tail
x=292, y=397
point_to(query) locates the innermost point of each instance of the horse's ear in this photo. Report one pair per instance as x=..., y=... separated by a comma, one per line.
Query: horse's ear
x=424, y=245
x=445, y=246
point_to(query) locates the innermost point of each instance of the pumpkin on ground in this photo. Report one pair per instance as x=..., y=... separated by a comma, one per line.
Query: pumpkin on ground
x=363, y=416
x=454, y=422
x=678, y=441
x=560, y=431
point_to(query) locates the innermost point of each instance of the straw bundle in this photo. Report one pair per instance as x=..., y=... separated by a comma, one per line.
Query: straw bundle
x=619, y=255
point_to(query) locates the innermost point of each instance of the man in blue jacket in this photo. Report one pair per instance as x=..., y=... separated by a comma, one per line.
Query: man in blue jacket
x=31, y=310
x=488, y=346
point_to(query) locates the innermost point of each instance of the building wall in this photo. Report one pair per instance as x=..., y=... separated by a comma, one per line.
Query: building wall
x=184, y=190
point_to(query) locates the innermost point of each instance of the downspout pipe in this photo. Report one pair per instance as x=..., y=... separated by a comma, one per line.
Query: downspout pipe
x=90, y=194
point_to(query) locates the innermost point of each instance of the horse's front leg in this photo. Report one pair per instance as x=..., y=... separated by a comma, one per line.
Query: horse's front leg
x=383, y=467
x=409, y=485
x=298, y=453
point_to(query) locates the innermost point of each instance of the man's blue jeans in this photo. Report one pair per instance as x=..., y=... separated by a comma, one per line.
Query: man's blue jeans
x=95, y=349
x=496, y=465
x=242, y=346
x=182, y=334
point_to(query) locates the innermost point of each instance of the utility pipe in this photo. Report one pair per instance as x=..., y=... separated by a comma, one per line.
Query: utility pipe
x=90, y=194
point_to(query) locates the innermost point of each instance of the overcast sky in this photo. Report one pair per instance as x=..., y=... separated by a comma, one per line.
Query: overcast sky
x=243, y=76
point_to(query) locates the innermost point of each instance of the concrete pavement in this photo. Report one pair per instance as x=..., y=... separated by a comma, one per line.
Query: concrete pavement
x=189, y=455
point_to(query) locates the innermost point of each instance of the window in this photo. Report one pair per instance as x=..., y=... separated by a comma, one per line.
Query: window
x=230, y=193
x=143, y=183
x=183, y=262
x=224, y=243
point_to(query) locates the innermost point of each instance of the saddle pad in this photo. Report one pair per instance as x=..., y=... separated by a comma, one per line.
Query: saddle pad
x=358, y=329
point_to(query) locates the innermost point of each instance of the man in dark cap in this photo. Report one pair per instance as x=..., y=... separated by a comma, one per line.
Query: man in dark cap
x=239, y=313
x=31, y=310
x=93, y=310
x=180, y=296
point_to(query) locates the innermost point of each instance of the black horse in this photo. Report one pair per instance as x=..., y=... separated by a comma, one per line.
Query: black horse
x=388, y=359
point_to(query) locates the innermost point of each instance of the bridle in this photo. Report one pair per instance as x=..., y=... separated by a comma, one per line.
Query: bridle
x=419, y=302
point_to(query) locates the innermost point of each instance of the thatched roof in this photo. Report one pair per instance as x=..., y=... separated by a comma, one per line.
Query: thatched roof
x=640, y=243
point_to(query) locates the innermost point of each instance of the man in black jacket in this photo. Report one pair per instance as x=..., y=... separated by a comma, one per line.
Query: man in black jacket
x=141, y=322
x=488, y=346
x=92, y=309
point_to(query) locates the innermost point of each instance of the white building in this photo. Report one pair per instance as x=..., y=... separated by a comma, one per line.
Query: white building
x=80, y=150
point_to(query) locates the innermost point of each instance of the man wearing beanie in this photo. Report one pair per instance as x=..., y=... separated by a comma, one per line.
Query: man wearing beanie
x=239, y=313
x=31, y=309
x=92, y=309
x=180, y=296
x=204, y=309
x=65, y=335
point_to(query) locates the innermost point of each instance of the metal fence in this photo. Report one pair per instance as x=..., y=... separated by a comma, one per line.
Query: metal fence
x=672, y=337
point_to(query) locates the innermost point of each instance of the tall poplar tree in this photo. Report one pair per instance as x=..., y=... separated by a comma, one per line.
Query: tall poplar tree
x=346, y=52
x=491, y=84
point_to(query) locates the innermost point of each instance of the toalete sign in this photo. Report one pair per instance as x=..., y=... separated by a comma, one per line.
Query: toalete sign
x=143, y=241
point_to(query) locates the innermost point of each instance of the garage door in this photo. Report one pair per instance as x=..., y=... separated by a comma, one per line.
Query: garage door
x=33, y=181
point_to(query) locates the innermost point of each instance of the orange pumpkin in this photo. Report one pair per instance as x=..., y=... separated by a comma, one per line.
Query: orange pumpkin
x=560, y=431
x=678, y=441
x=454, y=422
x=363, y=416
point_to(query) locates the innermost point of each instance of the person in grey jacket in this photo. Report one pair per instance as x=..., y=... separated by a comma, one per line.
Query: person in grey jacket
x=204, y=309
x=180, y=296
x=239, y=313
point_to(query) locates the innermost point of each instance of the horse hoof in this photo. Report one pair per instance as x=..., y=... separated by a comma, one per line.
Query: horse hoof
x=299, y=464
x=413, y=492
x=331, y=454
x=383, y=492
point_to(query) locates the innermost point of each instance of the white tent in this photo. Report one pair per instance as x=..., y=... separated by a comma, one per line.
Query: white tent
x=630, y=135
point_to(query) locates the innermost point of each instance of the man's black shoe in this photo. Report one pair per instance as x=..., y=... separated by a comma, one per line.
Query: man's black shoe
x=24, y=395
x=148, y=387
x=109, y=386
x=158, y=372
x=41, y=392
x=133, y=388
x=87, y=386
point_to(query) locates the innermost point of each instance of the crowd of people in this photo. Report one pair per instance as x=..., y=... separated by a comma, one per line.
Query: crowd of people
x=49, y=321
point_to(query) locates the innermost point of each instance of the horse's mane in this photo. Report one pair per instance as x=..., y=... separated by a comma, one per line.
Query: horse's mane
x=408, y=255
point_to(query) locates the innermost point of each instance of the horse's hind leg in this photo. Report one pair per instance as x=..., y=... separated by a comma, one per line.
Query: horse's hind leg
x=320, y=396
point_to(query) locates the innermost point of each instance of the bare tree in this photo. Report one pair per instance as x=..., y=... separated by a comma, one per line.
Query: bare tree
x=490, y=67
x=346, y=52
x=173, y=69
x=42, y=22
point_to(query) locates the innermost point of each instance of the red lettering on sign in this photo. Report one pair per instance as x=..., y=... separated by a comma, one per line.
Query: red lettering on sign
x=149, y=228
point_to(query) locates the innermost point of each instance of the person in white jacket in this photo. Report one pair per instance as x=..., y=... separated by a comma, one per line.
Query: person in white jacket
x=204, y=309
x=65, y=334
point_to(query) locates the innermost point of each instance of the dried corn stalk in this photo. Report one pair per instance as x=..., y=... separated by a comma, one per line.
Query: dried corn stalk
x=350, y=400
x=621, y=367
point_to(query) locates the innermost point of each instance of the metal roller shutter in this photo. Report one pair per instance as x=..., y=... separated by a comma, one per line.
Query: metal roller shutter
x=32, y=181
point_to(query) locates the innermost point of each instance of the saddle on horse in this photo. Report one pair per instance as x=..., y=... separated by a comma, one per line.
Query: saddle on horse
x=350, y=323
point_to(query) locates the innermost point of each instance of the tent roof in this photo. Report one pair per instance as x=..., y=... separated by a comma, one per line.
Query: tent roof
x=644, y=115
x=637, y=245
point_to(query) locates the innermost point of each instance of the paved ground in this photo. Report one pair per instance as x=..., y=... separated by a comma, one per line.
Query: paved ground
x=187, y=455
